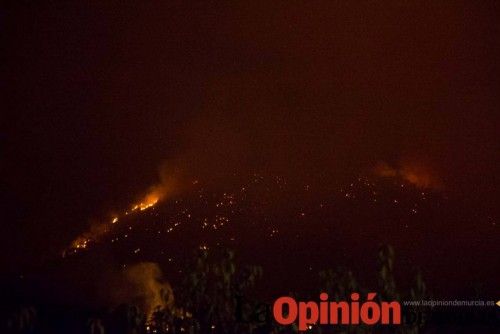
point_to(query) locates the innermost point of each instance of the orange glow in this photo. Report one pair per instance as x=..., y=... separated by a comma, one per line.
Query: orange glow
x=97, y=231
x=80, y=243
x=149, y=201
x=418, y=174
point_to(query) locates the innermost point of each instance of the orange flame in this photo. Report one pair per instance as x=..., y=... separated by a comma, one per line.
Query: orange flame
x=147, y=202
x=97, y=231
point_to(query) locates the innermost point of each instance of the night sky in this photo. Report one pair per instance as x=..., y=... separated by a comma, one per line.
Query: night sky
x=101, y=99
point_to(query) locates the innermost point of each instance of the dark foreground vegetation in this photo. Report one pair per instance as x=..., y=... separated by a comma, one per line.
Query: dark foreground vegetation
x=219, y=296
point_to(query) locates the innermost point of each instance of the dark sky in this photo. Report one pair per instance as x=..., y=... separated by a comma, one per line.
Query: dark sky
x=98, y=97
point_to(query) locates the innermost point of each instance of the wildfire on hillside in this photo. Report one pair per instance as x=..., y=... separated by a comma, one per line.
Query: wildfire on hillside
x=98, y=230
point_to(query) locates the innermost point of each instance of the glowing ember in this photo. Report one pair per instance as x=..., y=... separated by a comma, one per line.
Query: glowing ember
x=219, y=210
x=99, y=230
x=149, y=202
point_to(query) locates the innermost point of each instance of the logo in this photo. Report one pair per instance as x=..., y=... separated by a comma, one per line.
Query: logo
x=286, y=311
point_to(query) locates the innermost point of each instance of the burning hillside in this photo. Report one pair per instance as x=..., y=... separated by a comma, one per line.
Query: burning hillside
x=281, y=225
